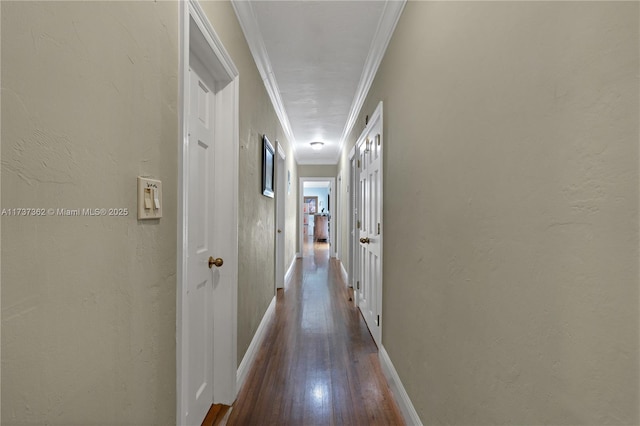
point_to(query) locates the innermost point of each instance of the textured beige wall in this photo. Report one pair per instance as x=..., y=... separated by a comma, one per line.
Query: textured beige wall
x=307, y=170
x=89, y=98
x=256, y=283
x=511, y=211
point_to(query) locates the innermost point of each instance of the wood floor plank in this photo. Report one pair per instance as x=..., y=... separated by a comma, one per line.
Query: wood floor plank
x=318, y=364
x=216, y=415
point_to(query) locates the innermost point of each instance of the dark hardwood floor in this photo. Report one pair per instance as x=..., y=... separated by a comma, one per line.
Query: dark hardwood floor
x=217, y=415
x=318, y=364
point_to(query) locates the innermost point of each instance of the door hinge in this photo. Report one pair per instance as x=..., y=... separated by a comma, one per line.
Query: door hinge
x=378, y=138
x=378, y=321
x=358, y=163
x=357, y=285
x=378, y=228
x=358, y=224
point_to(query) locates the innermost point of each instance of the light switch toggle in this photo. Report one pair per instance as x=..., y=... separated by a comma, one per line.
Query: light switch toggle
x=156, y=199
x=149, y=198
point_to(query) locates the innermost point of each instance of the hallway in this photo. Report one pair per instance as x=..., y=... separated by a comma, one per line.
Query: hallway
x=318, y=364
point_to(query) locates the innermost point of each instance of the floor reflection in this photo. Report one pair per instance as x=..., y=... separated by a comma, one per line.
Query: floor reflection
x=316, y=295
x=318, y=364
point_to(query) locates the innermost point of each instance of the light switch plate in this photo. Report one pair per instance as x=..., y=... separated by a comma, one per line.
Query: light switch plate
x=153, y=189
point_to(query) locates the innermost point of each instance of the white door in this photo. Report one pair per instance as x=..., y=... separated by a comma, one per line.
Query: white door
x=281, y=193
x=200, y=239
x=206, y=305
x=337, y=223
x=369, y=293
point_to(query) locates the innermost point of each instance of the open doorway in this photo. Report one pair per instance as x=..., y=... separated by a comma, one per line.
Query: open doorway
x=317, y=205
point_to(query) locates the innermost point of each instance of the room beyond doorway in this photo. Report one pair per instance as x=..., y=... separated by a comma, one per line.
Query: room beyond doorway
x=317, y=221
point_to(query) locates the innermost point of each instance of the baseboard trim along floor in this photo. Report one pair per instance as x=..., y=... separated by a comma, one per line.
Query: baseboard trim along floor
x=397, y=389
x=254, y=347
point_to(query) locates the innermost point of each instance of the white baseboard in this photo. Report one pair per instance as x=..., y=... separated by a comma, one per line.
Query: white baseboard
x=397, y=389
x=254, y=347
x=287, y=276
x=345, y=275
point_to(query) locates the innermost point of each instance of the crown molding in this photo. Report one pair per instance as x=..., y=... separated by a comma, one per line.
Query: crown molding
x=249, y=24
x=386, y=26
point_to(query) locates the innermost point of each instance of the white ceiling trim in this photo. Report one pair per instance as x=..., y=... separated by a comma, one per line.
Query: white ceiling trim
x=386, y=26
x=250, y=28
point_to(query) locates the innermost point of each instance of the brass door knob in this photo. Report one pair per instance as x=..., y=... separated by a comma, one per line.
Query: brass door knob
x=279, y=231
x=364, y=240
x=218, y=262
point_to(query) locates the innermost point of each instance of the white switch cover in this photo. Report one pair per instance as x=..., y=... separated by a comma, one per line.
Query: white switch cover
x=149, y=198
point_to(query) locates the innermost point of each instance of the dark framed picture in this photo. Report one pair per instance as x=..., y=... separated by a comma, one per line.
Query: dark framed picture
x=267, y=167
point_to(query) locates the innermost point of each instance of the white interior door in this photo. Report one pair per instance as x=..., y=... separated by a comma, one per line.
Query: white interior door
x=369, y=290
x=200, y=240
x=337, y=223
x=206, y=298
x=281, y=193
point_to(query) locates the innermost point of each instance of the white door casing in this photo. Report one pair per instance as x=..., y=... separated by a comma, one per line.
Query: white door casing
x=206, y=317
x=338, y=221
x=354, y=232
x=281, y=193
x=369, y=150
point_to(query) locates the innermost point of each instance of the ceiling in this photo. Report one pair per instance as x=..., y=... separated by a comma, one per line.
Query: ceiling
x=317, y=60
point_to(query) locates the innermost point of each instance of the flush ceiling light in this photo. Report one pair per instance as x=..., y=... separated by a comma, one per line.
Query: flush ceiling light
x=317, y=146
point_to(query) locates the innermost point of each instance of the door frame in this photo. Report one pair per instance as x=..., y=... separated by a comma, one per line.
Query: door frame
x=332, y=219
x=200, y=37
x=353, y=217
x=281, y=202
x=376, y=119
x=338, y=223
